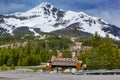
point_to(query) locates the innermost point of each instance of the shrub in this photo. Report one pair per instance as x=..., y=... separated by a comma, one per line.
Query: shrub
x=4, y=67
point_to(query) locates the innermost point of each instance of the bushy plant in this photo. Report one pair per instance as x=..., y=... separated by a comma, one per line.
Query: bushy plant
x=12, y=67
x=4, y=67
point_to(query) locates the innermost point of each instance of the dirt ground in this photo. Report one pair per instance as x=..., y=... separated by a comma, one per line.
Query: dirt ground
x=12, y=75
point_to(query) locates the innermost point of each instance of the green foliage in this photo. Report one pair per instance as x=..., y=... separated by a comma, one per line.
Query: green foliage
x=12, y=67
x=75, y=30
x=67, y=54
x=15, y=38
x=104, y=54
x=96, y=40
x=4, y=67
x=34, y=52
x=86, y=41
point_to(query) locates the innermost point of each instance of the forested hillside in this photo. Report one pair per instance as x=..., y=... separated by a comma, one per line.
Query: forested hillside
x=34, y=52
x=104, y=54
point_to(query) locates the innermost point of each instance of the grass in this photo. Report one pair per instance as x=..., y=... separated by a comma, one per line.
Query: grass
x=34, y=68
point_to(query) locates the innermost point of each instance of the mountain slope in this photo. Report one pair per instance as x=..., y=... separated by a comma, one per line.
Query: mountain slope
x=47, y=18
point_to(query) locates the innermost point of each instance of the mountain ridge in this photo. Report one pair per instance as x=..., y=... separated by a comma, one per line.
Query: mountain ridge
x=47, y=18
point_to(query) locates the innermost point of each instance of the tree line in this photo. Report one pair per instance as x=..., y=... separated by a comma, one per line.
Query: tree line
x=103, y=55
x=34, y=52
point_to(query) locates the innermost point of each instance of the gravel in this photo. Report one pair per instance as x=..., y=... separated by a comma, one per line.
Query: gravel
x=13, y=75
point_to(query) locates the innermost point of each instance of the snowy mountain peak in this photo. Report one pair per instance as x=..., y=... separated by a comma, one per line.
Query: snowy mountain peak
x=47, y=18
x=40, y=9
x=42, y=6
x=45, y=4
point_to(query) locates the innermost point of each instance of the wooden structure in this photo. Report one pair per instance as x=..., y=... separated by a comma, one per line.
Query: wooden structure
x=65, y=62
x=60, y=61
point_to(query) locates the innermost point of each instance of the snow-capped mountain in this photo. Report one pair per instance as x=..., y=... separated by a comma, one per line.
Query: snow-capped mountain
x=47, y=18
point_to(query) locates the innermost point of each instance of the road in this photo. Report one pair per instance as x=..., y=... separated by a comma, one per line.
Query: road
x=56, y=76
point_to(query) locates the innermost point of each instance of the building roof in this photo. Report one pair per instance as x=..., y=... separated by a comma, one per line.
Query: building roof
x=63, y=61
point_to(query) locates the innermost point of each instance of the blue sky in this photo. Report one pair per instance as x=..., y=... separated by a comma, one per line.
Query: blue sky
x=109, y=10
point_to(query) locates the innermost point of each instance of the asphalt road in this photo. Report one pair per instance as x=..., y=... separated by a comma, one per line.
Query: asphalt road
x=54, y=76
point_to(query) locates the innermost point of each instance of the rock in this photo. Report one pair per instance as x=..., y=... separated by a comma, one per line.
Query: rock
x=54, y=71
x=59, y=69
x=67, y=71
x=73, y=70
x=40, y=71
